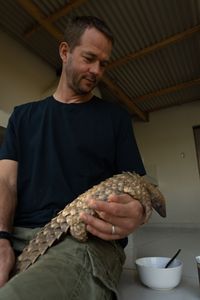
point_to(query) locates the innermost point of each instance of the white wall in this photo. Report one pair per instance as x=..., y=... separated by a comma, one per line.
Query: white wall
x=3, y=118
x=23, y=75
x=168, y=150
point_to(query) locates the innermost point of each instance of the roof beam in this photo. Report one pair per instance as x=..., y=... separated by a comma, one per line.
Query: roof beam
x=65, y=10
x=124, y=99
x=168, y=90
x=38, y=15
x=166, y=42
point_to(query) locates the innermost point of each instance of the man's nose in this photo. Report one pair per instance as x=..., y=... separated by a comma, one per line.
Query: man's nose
x=95, y=68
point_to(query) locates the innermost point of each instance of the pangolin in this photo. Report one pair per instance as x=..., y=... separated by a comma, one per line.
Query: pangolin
x=68, y=219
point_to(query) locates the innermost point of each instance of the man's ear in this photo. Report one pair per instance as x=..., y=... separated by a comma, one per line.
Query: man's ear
x=63, y=50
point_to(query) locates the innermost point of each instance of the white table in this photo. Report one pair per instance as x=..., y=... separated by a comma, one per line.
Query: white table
x=130, y=288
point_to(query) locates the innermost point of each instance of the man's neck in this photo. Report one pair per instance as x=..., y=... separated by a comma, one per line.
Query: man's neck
x=70, y=98
x=66, y=95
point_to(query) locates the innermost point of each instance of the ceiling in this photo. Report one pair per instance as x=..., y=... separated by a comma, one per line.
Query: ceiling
x=156, y=59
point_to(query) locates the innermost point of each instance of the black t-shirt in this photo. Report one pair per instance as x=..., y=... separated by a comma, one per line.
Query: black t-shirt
x=64, y=149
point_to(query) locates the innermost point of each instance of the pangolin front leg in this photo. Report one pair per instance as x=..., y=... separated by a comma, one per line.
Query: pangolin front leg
x=69, y=218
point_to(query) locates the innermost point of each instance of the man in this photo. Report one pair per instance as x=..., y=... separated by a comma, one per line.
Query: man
x=54, y=150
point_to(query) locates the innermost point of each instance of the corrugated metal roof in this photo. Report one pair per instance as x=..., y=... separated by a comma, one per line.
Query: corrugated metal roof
x=176, y=98
x=137, y=25
x=160, y=69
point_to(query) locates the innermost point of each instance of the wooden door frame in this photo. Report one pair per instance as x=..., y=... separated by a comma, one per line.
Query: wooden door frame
x=196, y=132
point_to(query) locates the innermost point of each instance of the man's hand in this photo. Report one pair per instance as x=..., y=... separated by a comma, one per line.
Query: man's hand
x=7, y=261
x=121, y=211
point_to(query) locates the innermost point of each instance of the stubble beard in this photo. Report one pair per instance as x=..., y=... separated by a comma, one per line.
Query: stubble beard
x=77, y=85
x=74, y=80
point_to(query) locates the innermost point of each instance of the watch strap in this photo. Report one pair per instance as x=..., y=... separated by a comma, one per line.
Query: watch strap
x=6, y=235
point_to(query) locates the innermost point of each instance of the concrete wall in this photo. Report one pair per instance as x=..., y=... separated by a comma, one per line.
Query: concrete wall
x=168, y=150
x=23, y=75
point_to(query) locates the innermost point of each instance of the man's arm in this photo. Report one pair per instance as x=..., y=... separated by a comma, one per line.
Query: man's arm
x=8, y=199
x=8, y=192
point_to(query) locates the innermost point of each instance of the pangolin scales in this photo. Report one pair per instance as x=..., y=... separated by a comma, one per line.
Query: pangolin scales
x=68, y=219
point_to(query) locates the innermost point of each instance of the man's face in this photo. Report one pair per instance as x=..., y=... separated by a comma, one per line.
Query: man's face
x=86, y=64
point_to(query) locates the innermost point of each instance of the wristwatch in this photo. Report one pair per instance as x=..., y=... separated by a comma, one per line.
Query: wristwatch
x=6, y=235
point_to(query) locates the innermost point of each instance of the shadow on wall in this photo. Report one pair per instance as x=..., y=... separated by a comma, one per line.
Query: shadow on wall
x=2, y=132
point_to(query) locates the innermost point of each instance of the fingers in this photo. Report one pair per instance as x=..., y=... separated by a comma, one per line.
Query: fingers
x=3, y=279
x=120, y=206
x=125, y=213
x=123, y=198
x=100, y=228
x=7, y=261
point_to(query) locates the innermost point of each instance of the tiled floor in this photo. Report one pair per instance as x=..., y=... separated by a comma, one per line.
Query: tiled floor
x=154, y=241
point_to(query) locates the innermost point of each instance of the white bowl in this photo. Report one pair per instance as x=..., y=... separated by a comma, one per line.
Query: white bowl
x=152, y=272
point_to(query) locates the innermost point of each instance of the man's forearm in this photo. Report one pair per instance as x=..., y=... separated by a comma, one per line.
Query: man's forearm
x=8, y=201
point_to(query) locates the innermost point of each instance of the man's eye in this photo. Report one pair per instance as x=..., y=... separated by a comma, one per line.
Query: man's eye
x=89, y=59
x=104, y=64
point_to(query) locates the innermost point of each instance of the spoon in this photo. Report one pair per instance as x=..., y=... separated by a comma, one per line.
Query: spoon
x=173, y=258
